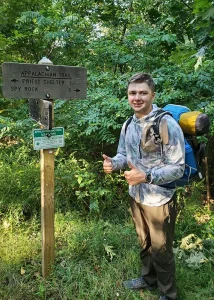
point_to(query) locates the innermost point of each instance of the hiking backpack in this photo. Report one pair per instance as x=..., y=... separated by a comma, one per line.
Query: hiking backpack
x=192, y=123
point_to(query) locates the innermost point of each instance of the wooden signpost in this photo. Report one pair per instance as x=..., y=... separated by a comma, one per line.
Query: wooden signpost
x=41, y=84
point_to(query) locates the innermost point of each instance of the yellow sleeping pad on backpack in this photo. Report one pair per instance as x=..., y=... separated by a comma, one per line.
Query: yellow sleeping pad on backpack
x=194, y=123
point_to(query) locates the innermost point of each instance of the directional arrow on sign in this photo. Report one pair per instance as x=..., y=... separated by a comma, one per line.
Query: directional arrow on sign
x=43, y=81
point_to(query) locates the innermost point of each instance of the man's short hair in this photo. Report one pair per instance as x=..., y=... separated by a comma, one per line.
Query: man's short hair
x=143, y=77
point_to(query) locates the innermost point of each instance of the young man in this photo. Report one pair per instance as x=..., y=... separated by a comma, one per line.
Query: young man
x=152, y=166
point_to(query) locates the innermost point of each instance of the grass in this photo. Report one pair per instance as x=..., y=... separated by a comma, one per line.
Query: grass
x=94, y=253
x=93, y=257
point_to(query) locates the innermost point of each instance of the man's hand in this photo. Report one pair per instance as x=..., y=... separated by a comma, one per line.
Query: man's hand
x=107, y=164
x=134, y=176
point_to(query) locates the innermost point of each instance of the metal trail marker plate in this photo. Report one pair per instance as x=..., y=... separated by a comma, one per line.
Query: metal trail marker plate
x=41, y=111
x=48, y=139
x=43, y=81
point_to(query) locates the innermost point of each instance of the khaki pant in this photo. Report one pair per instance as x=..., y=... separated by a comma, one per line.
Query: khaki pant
x=155, y=229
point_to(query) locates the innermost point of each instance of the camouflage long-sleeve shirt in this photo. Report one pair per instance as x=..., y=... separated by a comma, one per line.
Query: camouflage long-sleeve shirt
x=166, y=163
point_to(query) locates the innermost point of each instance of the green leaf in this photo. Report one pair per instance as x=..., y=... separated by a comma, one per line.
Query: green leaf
x=79, y=179
x=109, y=251
x=209, y=14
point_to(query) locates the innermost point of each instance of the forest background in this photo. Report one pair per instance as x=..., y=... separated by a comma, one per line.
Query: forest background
x=96, y=246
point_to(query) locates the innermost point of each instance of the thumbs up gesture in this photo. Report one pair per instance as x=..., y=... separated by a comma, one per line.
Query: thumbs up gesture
x=107, y=164
x=134, y=176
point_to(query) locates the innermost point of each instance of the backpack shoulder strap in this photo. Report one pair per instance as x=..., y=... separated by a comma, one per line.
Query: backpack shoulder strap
x=199, y=149
x=156, y=123
x=127, y=123
x=158, y=116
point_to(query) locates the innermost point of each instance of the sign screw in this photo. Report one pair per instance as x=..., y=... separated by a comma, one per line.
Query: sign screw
x=48, y=95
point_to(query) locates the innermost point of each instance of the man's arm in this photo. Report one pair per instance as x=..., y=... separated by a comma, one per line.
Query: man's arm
x=173, y=162
x=119, y=161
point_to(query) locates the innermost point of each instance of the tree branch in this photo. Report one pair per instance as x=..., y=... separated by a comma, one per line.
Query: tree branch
x=186, y=4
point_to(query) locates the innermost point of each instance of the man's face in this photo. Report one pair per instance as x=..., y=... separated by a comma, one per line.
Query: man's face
x=140, y=98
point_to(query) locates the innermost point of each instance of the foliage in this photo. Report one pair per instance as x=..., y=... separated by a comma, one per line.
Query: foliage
x=20, y=183
x=204, y=12
x=83, y=186
x=195, y=230
x=93, y=257
x=79, y=184
x=96, y=249
x=112, y=40
x=194, y=89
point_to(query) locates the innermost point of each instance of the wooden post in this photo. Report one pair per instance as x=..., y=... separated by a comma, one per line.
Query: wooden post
x=70, y=83
x=47, y=201
x=47, y=209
